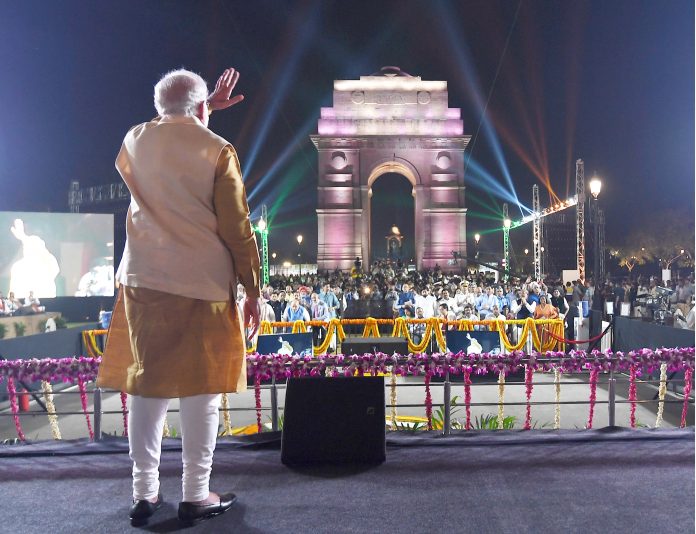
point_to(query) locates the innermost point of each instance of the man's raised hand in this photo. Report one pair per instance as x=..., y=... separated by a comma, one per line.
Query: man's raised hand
x=221, y=97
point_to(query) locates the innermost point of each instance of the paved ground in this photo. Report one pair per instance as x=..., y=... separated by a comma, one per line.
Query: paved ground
x=410, y=391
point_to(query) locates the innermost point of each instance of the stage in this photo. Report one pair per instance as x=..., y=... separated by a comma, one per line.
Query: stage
x=606, y=480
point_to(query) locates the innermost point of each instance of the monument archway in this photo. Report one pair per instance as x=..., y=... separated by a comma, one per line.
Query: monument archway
x=397, y=123
x=391, y=203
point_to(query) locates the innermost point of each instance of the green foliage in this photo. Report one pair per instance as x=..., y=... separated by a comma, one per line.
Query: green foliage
x=3, y=330
x=60, y=322
x=19, y=329
x=269, y=426
x=439, y=415
x=535, y=425
x=417, y=426
x=490, y=422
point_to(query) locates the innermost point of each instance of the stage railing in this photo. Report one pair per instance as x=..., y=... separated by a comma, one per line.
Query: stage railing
x=269, y=368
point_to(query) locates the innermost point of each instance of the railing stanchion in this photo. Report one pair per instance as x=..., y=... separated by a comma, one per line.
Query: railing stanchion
x=446, y=423
x=97, y=414
x=274, y=404
x=612, y=398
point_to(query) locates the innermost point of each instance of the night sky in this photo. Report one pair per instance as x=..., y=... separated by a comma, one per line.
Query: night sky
x=611, y=82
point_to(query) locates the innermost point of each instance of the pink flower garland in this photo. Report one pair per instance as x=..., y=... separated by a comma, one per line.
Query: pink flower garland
x=467, y=398
x=594, y=373
x=15, y=409
x=257, y=397
x=688, y=375
x=428, y=401
x=124, y=410
x=632, y=394
x=83, y=400
x=529, y=386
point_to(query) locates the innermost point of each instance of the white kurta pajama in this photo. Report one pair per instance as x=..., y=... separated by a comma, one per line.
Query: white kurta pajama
x=176, y=331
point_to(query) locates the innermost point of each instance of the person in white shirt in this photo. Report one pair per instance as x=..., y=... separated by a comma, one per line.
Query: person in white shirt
x=267, y=312
x=450, y=301
x=426, y=301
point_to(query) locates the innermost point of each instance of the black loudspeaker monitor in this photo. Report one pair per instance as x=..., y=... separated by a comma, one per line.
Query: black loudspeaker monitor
x=387, y=345
x=334, y=421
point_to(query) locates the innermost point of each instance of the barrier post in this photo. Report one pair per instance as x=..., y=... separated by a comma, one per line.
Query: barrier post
x=447, y=412
x=274, y=404
x=612, y=398
x=97, y=414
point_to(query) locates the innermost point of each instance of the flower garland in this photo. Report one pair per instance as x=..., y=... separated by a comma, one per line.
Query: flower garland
x=226, y=419
x=83, y=401
x=51, y=369
x=89, y=341
x=283, y=366
x=688, y=375
x=433, y=327
x=166, y=433
x=12, y=391
x=428, y=402
x=467, y=398
x=632, y=394
x=81, y=370
x=557, y=407
x=501, y=399
x=392, y=397
x=47, y=390
x=594, y=374
x=528, y=386
x=257, y=397
x=124, y=411
x=661, y=392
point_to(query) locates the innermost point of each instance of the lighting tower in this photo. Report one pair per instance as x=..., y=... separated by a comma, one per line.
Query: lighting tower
x=506, y=241
x=580, y=216
x=262, y=228
x=536, y=234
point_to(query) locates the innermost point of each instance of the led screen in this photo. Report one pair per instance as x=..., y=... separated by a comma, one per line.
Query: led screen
x=56, y=254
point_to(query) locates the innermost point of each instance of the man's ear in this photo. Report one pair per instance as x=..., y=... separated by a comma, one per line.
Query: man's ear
x=202, y=112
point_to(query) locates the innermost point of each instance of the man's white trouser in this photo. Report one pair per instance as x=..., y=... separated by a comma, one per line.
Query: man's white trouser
x=199, y=425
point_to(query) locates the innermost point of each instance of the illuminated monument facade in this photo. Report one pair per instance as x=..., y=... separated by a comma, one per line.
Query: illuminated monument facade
x=390, y=122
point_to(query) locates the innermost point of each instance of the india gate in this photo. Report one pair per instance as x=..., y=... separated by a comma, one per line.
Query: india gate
x=390, y=122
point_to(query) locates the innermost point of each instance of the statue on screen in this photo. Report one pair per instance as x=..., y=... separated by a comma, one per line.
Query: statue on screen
x=37, y=269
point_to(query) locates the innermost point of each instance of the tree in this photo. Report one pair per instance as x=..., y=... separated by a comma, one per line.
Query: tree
x=668, y=238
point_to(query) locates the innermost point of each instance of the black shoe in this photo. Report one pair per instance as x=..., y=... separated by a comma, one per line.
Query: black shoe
x=190, y=512
x=141, y=510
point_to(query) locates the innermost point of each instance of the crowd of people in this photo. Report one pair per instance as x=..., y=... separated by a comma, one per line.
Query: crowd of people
x=434, y=293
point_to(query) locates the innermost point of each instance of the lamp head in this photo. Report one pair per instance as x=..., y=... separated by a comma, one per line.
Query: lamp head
x=261, y=225
x=507, y=223
x=477, y=238
x=299, y=239
x=595, y=186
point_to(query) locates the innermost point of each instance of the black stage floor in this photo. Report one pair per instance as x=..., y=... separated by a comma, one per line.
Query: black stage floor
x=607, y=480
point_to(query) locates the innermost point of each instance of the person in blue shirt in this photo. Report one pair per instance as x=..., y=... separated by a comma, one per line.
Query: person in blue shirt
x=405, y=297
x=501, y=298
x=327, y=296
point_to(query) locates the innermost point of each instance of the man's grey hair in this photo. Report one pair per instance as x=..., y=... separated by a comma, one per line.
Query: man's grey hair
x=180, y=92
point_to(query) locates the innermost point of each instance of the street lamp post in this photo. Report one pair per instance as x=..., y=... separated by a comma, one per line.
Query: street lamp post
x=506, y=244
x=262, y=228
x=299, y=251
x=595, y=189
